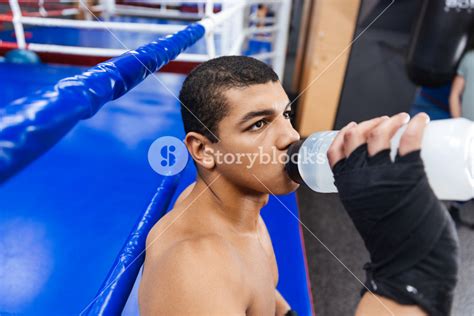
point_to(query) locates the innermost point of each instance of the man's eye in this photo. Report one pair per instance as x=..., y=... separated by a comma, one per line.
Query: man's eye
x=257, y=125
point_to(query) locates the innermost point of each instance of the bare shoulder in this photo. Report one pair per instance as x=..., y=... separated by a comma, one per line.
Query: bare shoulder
x=198, y=276
x=170, y=219
x=202, y=249
x=161, y=227
x=167, y=231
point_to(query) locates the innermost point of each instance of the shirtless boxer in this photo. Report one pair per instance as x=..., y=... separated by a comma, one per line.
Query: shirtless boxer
x=212, y=255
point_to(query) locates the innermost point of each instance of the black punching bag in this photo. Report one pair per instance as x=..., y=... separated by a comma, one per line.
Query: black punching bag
x=438, y=41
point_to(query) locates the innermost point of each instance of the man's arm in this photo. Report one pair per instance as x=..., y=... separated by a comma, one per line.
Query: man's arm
x=350, y=138
x=376, y=305
x=408, y=232
x=198, y=277
x=457, y=89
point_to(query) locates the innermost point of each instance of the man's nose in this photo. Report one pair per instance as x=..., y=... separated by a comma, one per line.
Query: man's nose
x=287, y=135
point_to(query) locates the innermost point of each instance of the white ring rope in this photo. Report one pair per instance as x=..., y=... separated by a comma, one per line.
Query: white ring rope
x=221, y=22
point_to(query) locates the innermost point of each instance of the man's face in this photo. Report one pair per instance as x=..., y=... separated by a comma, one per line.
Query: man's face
x=254, y=138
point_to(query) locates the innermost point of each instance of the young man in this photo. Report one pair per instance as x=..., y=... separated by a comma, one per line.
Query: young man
x=212, y=255
x=461, y=100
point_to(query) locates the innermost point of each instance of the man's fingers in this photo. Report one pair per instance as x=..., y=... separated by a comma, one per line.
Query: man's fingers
x=413, y=135
x=380, y=136
x=336, y=150
x=377, y=133
x=356, y=136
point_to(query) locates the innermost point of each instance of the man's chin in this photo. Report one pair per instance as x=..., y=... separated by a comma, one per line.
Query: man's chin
x=286, y=189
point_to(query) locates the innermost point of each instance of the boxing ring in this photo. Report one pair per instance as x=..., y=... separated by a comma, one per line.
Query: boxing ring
x=77, y=194
x=45, y=27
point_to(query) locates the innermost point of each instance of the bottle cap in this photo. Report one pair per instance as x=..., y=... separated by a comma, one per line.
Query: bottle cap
x=291, y=166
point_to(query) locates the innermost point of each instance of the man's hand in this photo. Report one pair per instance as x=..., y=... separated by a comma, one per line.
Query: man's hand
x=377, y=134
x=408, y=232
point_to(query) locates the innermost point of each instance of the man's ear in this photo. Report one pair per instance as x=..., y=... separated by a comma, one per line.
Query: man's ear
x=200, y=148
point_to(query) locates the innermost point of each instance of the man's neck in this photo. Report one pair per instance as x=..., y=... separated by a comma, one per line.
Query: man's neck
x=241, y=210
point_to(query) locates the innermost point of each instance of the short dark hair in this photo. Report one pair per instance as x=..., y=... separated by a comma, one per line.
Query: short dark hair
x=202, y=95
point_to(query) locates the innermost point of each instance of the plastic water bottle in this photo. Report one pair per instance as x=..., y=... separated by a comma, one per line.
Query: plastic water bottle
x=447, y=151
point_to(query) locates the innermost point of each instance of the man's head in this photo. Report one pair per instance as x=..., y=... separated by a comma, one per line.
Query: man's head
x=234, y=110
x=203, y=90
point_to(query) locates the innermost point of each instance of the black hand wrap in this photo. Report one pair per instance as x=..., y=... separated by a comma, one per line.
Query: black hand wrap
x=408, y=232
